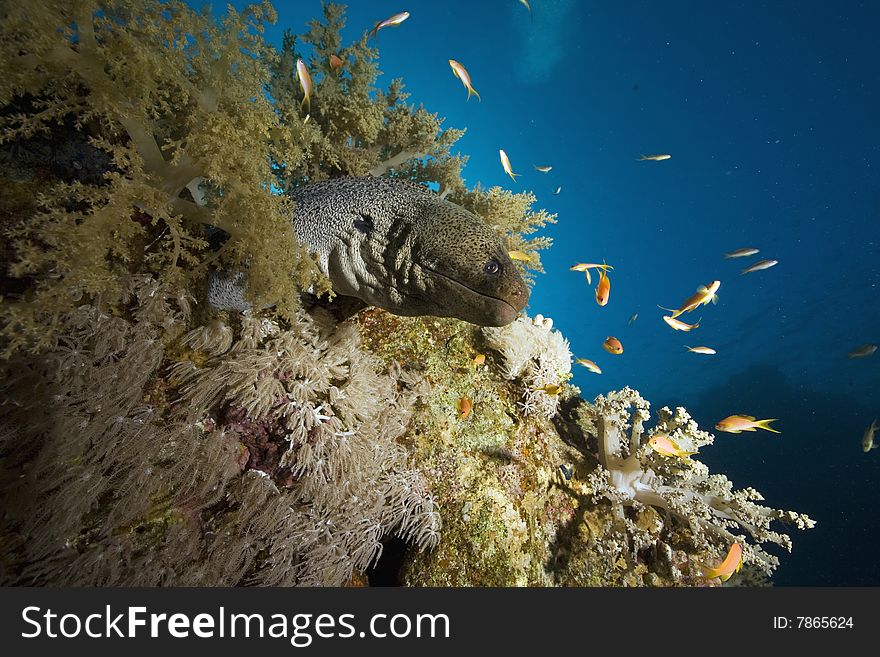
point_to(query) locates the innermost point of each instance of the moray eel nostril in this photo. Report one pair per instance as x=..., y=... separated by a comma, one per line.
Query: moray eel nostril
x=397, y=245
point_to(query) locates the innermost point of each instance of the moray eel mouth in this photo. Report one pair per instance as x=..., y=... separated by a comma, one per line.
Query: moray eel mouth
x=475, y=306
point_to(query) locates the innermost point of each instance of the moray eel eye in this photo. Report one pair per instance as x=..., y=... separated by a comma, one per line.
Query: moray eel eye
x=492, y=267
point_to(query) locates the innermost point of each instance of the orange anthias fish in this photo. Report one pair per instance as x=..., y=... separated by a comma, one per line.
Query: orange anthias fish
x=459, y=71
x=505, y=162
x=395, y=20
x=863, y=352
x=335, y=62
x=551, y=389
x=464, y=407
x=590, y=365
x=305, y=81
x=704, y=295
x=587, y=266
x=612, y=345
x=731, y=564
x=665, y=446
x=740, y=423
x=655, y=158
x=702, y=350
x=603, y=289
x=741, y=253
x=479, y=359
x=679, y=325
x=544, y=169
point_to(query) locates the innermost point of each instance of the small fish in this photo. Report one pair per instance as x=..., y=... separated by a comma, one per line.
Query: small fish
x=519, y=255
x=863, y=352
x=551, y=389
x=612, y=345
x=566, y=470
x=679, y=325
x=632, y=319
x=665, y=446
x=587, y=266
x=868, y=438
x=731, y=564
x=702, y=350
x=305, y=81
x=590, y=365
x=505, y=162
x=740, y=423
x=603, y=289
x=758, y=266
x=558, y=189
x=655, y=158
x=703, y=295
x=395, y=20
x=464, y=407
x=459, y=71
x=479, y=359
x=545, y=169
x=741, y=253
x=335, y=62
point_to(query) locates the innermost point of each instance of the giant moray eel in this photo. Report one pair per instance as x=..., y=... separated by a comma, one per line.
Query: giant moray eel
x=399, y=246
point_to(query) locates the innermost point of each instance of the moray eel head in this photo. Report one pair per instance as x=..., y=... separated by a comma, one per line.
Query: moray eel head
x=465, y=268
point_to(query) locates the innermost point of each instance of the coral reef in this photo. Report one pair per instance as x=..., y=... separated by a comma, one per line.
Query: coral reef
x=147, y=439
x=633, y=474
x=272, y=458
x=568, y=494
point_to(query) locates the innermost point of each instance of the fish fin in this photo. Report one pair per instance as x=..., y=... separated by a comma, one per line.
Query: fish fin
x=750, y=418
x=589, y=278
x=641, y=158
x=765, y=424
x=702, y=288
x=667, y=309
x=307, y=105
x=473, y=91
x=513, y=175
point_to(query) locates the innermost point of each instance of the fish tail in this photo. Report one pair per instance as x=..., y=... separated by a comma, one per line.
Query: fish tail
x=641, y=158
x=513, y=175
x=765, y=424
x=472, y=91
x=675, y=313
x=306, y=105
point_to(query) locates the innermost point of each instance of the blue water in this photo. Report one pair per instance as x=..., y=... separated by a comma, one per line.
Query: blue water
x=769, y=111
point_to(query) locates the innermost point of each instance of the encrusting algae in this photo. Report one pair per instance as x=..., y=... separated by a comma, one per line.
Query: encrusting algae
x=149, y=439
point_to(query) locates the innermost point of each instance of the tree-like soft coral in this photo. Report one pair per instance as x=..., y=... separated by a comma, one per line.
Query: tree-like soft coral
x=172, y=97
x=353, y=128
x=633, y=474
